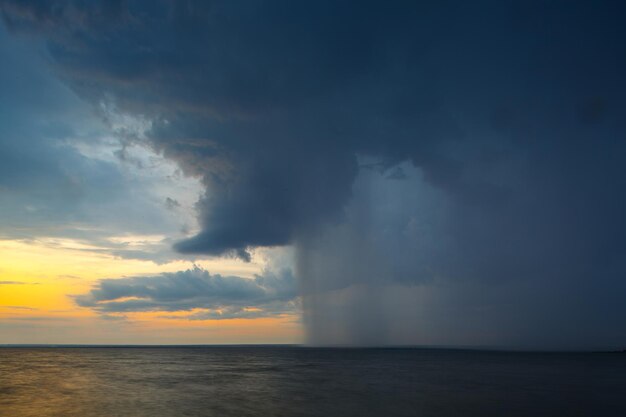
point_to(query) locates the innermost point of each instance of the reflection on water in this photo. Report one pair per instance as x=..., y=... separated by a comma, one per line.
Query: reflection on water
x=292, y=381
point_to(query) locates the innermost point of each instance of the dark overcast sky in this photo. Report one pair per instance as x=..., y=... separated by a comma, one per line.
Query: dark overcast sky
x=473, y=153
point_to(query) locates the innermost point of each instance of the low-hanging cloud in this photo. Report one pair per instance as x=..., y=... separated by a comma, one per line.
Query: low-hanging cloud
x=511, y=115
x=269, y=294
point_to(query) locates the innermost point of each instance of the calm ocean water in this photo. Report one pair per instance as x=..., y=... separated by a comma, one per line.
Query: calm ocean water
x=296, y=381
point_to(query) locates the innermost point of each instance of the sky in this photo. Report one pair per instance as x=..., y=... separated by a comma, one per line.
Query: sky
x=441, y=173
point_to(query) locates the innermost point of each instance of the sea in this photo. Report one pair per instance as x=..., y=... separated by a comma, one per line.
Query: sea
x=239, y=381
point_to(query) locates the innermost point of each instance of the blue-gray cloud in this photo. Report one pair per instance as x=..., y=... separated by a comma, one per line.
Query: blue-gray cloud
x=223, y=296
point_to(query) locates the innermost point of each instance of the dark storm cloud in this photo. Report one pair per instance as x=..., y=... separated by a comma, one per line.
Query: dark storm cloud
x=513, y=111
x=270, y=102
x=194, y=289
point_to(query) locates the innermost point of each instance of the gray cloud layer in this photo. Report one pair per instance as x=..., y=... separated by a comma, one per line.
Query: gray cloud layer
x=224, y=296
x=513, y=112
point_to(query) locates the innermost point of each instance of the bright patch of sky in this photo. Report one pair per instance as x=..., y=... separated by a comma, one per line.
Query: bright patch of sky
x=82, y=174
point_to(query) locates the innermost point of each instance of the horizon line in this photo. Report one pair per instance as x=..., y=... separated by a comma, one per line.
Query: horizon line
x=309, y=346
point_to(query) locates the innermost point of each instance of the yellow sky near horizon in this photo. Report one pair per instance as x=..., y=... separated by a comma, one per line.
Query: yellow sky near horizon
x=39, y=276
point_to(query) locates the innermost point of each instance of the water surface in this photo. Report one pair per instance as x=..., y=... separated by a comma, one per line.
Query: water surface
x=296, y=381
